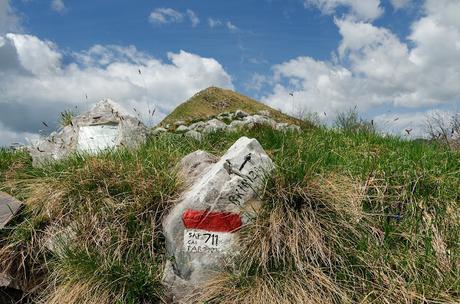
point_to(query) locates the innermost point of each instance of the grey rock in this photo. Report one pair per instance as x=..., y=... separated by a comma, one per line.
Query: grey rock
x=239, y=124
x=103, y=127
x=240, y=114
x=214, y=125
x=182, y=129
x=179, y=122
x=198, y=126
x=259, y=119
x=9, y=207
x=194, y=134
x=159, y=130
x=195, y=165
x=216, y=187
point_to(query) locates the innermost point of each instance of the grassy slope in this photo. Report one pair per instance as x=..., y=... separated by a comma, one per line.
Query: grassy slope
x=213, y=101
x=350, y=217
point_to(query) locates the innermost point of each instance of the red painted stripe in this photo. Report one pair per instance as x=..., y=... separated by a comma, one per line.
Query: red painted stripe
x=211, y=221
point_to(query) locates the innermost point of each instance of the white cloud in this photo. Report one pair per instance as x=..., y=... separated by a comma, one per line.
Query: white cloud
x=231, y=26
x=399, y=4
x=165, y=16
x=53, y=85
x=58, y=6
x=359, y=9
x=373, y=67
x=193, y=17
x=214, y=22
x=9, y=21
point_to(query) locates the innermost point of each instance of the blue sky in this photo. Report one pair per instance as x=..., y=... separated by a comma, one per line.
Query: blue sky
x=383, y=56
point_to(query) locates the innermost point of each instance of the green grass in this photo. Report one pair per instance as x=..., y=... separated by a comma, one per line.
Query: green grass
x=349, y=217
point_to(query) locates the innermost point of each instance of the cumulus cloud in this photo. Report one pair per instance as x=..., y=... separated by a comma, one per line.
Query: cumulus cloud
x=58, y=6
x=193, y=17
x=165, y=16
x=133, y=78
x=372, y=67
x=9, y=21
x=231, y=26
x=214, y=22
x=359, y=9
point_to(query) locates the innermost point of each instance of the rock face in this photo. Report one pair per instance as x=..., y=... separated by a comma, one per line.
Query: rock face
x=102, y=127
x=201, y=230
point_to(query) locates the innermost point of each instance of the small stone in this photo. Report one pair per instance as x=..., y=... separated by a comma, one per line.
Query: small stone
x=194, y=134
x=261, y=120
x=182, y=129
x=214, y=125
x=240, y=114
x=9, y=207
x=239, y=124
x=159, y=130
x=179, y=122
x=198, y=126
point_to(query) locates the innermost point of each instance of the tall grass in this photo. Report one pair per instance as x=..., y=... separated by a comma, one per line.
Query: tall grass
x=349, y=217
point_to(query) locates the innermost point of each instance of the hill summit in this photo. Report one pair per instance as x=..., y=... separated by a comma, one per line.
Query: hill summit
x=214, y=101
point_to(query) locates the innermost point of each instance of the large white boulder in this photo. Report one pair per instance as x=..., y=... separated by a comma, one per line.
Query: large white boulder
x=104, y=126
x=202, y=229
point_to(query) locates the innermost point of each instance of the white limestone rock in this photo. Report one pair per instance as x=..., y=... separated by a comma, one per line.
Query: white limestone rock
x=104, y=126
x=240, y=114
x=159, y=130
x=214, y=125
x=259, y=119
x=239, y=124
x=223, y=191
x=194, y=134
x=182, y=129
x=198, y=126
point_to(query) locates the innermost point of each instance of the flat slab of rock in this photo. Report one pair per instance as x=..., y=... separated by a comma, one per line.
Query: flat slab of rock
x=9, y=207
x=202, y=229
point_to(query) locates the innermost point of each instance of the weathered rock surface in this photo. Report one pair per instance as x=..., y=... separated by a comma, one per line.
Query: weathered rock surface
x=159, y=130
x=103, y=127
x=182, y=129
x=234, y=122
x=201, y=230
x=9, y=206
x=194, y=134
x=214, y=125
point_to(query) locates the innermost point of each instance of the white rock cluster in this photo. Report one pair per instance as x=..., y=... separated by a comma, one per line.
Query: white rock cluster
x=227, y=122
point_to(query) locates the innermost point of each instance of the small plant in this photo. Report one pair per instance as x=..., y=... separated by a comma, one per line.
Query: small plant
x=350, y=121
x=66, y=118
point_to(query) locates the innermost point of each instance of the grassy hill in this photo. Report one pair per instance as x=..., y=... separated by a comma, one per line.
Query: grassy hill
x=350, y=217
x=213, y=101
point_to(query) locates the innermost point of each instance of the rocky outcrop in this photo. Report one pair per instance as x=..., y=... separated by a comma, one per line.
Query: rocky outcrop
x=103, y=127
x=202, y=229
x=230, y=122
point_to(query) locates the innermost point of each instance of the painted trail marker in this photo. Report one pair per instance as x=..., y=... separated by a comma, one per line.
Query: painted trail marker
x=209, y=232
x=202, y=229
